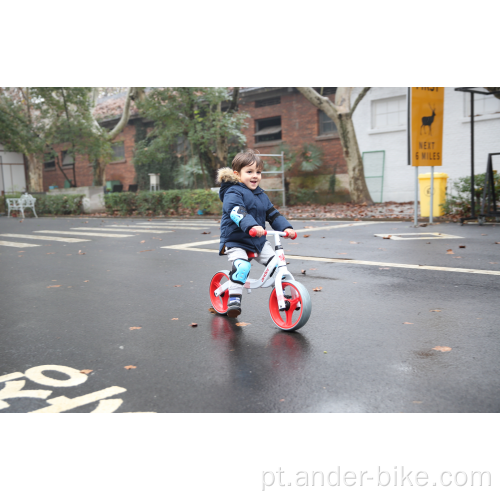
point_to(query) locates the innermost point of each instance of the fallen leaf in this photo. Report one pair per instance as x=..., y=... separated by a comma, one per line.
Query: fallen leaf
x=461, y=246
x=303, y=271
x=281, y=400
x=194, y=325
x=143, y=241
x=51, y=253
x=86, y=281
x=212, y=310
x=325, y=352
x=484, y=235
x=354, y=242
x=86, y=222
x=20, y=251
x=177, y=286
x=86, y=371
x=435, y=310
x=306, y=235
x=450, y=252
x=456, y=257
x=497, y=242
x=417, y=402
x=388, y=237
x=406, y=323
x=387, y=268
x=308, y=227
x=130, y=367
x=204, y=232
x=135, y=327
x=145, y=251
x=312, y=269
x=493, y=262
x=80, y=252
x=54, y=286
x=341, y=253
x=318, y=289
x=174, y=319
x=243, y=324
x=68, y=254
x=149, y=220
x=53, y=280
x=441, y=348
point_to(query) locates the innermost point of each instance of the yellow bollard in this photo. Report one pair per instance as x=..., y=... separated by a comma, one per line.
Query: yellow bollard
x=440, y=180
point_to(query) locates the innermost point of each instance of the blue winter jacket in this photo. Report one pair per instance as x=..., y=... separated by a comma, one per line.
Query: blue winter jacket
x=242, y=209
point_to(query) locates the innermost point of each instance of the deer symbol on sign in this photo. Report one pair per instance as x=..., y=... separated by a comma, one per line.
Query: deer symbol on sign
x=428, y=120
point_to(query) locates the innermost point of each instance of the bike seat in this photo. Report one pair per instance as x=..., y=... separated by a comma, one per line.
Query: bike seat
x=252, y=255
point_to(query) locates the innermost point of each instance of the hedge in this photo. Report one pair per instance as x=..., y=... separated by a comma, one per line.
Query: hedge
x=58, y=204
x=171, y=202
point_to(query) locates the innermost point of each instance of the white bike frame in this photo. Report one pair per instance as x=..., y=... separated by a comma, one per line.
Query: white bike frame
x=266, y=280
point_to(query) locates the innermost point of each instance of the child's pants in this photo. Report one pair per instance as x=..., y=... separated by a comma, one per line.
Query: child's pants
x=238, y=253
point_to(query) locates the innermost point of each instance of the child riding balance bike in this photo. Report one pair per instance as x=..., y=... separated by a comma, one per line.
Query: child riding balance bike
x=246, y=209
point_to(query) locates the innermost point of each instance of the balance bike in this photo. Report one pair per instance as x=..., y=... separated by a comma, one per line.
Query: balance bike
x=289, y=304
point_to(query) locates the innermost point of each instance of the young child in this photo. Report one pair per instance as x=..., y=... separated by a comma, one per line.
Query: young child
x=245, y=205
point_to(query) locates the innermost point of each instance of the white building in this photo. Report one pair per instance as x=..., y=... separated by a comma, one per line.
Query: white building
x=381, y=126
x=12, y=175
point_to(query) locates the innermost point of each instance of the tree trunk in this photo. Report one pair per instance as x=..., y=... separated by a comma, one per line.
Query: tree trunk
x=341, y=114
x=357, y=183
x=35, y=173
x=99, y=173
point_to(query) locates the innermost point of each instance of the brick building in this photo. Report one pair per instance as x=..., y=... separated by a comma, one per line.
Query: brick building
x=278, y=115
x=283, y=115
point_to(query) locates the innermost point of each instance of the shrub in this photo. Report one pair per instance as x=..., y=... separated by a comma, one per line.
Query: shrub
x=459, y=203
x=301, y=196
x=170, y=202
x=59, y=204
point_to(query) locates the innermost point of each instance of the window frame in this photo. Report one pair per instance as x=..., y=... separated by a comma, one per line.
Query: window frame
x=118, y=159
x=334, y=133
x=259, y=128
x=403, y=122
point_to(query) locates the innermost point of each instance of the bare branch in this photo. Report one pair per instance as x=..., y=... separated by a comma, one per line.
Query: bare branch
x=319, y=101
x=124, y=118
x=494, y=89
x=358, y=99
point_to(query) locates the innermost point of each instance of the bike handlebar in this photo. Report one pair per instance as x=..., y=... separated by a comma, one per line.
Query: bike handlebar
x=253, y=233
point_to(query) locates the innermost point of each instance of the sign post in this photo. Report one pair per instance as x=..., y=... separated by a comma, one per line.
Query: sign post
x=425, y=134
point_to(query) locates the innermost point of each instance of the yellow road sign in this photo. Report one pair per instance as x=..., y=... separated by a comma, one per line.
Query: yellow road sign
x=426, y=110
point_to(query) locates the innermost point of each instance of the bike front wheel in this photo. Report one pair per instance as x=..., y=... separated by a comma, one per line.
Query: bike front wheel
x=219, y=303
x=299, y=306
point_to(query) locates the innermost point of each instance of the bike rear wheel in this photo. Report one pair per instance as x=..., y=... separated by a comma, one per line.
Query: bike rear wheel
x=299, y=310
x=219, y=303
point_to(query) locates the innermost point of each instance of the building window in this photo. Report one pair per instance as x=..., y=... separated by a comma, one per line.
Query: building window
x=118, y=151
x=389, y=113
x=329, y=90
x=268, y=129
x=483, y=105
x=326, y=124
x=268, y=102
x=49, y=162
x=67, y=160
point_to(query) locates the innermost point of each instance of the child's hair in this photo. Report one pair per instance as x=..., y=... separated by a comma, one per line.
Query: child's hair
x=247, y=157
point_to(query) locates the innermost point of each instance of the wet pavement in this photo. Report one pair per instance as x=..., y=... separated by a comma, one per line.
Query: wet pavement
x=110, y=303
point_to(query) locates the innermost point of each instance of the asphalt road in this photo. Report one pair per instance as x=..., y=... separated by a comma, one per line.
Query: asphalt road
x=109, y=303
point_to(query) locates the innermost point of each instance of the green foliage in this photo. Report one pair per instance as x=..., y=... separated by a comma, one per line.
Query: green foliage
x=58, y=204
x=150, y=157
x=308, y=157
x=190, y=119
x=175, y=201
x=302, y=196
x=459, y=203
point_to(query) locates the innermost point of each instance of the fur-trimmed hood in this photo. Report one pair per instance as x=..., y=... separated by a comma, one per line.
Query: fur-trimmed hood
x=226, y=174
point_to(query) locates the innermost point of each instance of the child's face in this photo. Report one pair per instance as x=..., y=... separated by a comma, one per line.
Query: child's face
x=250, y=176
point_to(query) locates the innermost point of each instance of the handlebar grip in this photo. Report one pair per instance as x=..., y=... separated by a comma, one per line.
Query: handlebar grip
x=287, y=233
x=253, y=232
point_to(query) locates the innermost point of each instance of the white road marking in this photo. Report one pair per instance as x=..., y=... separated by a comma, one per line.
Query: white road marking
x=14, y=390
x=193, y=248
x=190, y=223
x=75, y=376
x=169, y=226
x=11, y=376
x=106, y=235
x=48, y=238
x=62, y=403
x=122, y=230
x=418, y=236
x=17, y=245
x=108, y=406
x=354, y=224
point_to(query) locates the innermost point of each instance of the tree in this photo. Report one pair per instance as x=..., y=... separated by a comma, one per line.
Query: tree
x=101, y=157
x=200, y=122
x=33, y=119
x=341, y=113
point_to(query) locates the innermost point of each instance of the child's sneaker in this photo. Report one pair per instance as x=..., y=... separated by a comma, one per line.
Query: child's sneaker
x=234, y=306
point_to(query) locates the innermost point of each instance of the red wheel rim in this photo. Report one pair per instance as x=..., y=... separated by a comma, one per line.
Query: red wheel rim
x=219, y=303
x=286, y=319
